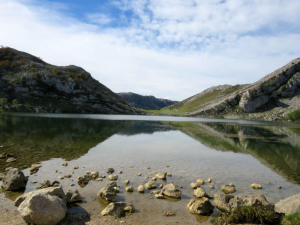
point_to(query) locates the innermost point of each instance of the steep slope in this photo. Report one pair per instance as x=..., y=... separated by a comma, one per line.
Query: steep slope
x=146, y=102
x=270, y=98
x=42, y=87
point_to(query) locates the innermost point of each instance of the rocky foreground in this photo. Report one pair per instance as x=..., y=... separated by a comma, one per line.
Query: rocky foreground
x=28, y=84
x=48, y=204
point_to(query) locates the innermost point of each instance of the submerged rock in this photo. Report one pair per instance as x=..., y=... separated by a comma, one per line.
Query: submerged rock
x=83, y=180
x=95, y=174
x=73, y=196
x=118, y=209
x=201, y=207
x=289, y=205
x=14, y=180
x=172, y=191
x=129, y=189
x=229, y=202
x=200, y=193
x=41, y=208
x=228, y=188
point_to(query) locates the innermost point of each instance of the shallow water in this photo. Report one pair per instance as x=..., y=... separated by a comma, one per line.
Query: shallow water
x=228, y=151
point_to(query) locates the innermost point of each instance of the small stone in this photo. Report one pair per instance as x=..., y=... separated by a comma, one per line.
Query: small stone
x=60, y=177
x=99, y=179
x=169, y=174
x=200, y=193
x=65, y=164
x=228, y=188
x=194, y=185
x=113, y=177
x=138, y=174
x=103, y=176
x=141, y=189
x=159, y=196
x=268, y=182
x=155, y=192
x=117, y=190
x=148, y=168
x=10, y=160
x=208, y=180
x=154, y=178
x=72, y=184
x=68, y=176
x=211, y=187
x=151, y=185
x=110, y=170
x=201, y=182
x=161, y=186
x=279, y=187
x=129, y=189
x=75, y=167
x=55, y=183
x=45, y=183
x=154, y=172
x=126, y=182
x=56, y=171
x=169, y=213
x=168, y=166
x=34, y=182
x=161, y=176
x=38, y=165
x=120, y=172
x=256, y=186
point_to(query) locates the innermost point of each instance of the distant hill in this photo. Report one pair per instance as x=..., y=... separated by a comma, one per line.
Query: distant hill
x=146, y=102
x=29, y=84
x=271, y=98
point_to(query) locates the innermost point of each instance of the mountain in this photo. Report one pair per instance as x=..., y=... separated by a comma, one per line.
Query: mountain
x=270, y=98
x=33, y=85
x=146, y=102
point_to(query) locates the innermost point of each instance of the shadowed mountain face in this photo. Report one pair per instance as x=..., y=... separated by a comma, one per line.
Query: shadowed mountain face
x=276, y=147
x=146, y=102
x=39, y=86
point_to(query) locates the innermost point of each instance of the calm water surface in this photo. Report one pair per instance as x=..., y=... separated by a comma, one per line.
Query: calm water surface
x=228, y=151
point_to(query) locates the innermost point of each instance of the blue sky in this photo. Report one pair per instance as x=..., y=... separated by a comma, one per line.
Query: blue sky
x=166, y=48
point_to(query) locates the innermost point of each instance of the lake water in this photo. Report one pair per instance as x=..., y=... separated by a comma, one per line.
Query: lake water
x=227, y=151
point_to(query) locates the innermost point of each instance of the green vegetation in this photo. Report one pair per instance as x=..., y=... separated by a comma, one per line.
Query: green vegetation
x=246, y=214
x=57, y=72
x=292, y=219
x=3, y=102
x=295, y=115
x=78, y=77
x=7, y=57
x=15, y=102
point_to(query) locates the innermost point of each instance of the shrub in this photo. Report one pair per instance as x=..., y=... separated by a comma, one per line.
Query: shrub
x=3, y=101
x=57, y=72
x=246, y=214
x=78, y=77
x=292, y=219
x=15, y=102
x=295, y=115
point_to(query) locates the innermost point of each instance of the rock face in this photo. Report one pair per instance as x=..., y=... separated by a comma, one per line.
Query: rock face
x=229, y=202
x=14, y=180
x=289, y=205
x=108, y=193
x=172, y=191
x=118, y=209
x=71, y=89
x=161, y=176
x=146, y=102
x=200, y=193
x=267, y=95
x=200, y=207
x=73, y=196
x=54, y=191
x=41, y=208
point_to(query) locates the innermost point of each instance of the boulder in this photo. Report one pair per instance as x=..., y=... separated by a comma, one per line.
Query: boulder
x=110, y=170
x=228, y=188
x=151, y=185
x=129, y=189
x=200, y=193
x=195, y=185
x=45, y=184
x=289, y=205
x=161, y=176
x=141, y=189
x=113, y=177
x=73, y=196
x=171, y=190
x=256, y=186
x=201, y=207
x=41, y=208
x=118, y=209
x=229, y=202
x=108, y=193
x=54, y=191
x=201, y=182
x=14, y=180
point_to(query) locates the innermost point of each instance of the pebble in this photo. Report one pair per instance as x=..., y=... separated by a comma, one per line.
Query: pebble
x=169, y=213
x=65, y=164
x=208, y=180
x=129, y=189
x=138, y=174
x=75, y=167
x=60, y=177
x=34, y=182
x=72, y=184
x=211, y=187
x=126, y=182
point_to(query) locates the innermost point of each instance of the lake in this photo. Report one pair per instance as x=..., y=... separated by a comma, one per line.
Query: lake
x=227, y=151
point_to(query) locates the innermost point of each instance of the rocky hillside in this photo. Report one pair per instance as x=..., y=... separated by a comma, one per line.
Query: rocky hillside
x=146, y=102
x=29, y=84
x=271, y=98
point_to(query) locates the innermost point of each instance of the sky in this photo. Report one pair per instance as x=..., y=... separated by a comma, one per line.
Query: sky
x=167, y=48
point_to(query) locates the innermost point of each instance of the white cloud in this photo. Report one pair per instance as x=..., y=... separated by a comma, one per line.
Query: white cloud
x=170, y=48
x=100, y=18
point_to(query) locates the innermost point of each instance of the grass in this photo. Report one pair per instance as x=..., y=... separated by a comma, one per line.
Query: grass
x=292, y=219
x=295, y=115
x=247, y=214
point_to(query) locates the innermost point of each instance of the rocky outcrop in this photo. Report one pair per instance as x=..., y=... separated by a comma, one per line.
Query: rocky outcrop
x=146, y=102
x=201, y=207
x=14, y=180
x=41, y=87
x=227, y=203
x=118, y=209
x=41, y=208
x=289, y=205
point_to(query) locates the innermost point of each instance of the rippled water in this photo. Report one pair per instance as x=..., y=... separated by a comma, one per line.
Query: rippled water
x=228, y=151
